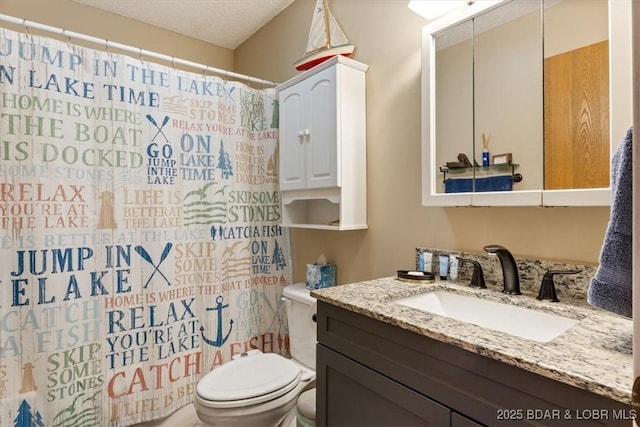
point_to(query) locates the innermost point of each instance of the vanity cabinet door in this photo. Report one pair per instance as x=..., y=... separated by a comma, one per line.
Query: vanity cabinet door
x=350, y=394
x=308, y=155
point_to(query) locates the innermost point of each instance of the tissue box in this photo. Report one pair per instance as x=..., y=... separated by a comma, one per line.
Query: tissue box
x=321, y=276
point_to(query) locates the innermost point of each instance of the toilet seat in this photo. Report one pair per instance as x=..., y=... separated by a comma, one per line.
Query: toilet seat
x=249, y=380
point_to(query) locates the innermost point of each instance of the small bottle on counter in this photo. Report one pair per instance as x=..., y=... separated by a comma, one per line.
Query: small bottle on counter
x=444, y=267
x=453, y=267
x=428, y=262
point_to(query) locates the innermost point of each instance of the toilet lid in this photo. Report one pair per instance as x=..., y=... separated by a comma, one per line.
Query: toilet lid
x=249, y=377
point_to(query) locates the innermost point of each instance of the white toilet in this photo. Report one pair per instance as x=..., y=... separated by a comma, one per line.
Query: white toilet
x=261, y=389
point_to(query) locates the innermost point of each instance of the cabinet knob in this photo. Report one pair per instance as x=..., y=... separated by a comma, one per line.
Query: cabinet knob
x=303, y=134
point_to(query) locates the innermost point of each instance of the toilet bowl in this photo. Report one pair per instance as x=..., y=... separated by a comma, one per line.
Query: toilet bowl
x=261, y=389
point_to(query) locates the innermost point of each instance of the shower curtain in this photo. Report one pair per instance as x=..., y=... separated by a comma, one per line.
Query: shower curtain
x=139, y=238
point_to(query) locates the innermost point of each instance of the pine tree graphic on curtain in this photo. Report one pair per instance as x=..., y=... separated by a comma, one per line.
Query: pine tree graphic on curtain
x=25, y=418
x=278, y=258
x=224, y=162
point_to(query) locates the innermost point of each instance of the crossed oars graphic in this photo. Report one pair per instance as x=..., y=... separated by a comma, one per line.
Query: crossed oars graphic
x=159, y=132
x=145, y=255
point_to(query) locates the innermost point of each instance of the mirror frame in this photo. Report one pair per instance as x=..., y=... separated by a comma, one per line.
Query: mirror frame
x=620, y=111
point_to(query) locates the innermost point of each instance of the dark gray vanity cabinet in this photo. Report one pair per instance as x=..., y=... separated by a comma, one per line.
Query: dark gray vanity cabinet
x=371, y=373
x=356, y=395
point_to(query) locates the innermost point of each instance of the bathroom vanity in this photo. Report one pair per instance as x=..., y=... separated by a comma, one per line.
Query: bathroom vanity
x=382, y=363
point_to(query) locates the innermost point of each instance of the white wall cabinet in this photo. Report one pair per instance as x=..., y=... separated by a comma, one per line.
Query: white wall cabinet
x=323, y=147
x=309, y=160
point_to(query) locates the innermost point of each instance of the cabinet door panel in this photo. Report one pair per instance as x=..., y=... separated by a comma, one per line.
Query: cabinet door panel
x=576, y=121
x=350, y=394
x=292, y=153
x=321, y=118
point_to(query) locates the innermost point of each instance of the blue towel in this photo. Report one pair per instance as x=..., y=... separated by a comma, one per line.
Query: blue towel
x=611, y=287
x=465, y=185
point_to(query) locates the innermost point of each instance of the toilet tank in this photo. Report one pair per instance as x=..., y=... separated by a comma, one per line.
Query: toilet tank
x=301, y=308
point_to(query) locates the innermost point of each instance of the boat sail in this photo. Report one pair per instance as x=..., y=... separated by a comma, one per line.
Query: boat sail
x=272, y=166
x=326, y=39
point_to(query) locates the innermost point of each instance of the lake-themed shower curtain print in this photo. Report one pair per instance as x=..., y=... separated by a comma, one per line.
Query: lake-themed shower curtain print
x=139, y=238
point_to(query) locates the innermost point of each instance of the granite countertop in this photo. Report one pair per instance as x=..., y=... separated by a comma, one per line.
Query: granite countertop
x=594, y=355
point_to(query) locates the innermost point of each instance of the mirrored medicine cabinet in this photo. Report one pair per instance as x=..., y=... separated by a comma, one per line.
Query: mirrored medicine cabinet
x=540, y=88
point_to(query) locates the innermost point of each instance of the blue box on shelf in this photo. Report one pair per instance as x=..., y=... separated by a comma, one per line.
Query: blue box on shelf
x=465, y=185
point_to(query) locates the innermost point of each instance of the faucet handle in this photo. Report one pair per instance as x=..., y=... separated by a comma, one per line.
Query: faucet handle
x=477, y=278
x=548, y=287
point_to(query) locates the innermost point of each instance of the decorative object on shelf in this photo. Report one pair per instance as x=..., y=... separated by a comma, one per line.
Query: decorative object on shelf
x=485, y=149
x=501, y=159
x=463, y=162
x=326, y=39
x=497, y=181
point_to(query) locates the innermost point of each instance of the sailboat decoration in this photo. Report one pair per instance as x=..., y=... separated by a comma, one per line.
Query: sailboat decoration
x=272, y=166
x=326, y=39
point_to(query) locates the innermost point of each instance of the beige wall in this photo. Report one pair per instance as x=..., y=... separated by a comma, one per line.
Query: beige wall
x=387, y=38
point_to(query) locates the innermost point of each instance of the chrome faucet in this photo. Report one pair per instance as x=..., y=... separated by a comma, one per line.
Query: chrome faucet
x=509, y=268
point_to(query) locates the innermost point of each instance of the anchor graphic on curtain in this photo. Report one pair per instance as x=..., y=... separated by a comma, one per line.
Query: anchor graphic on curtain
x=219, y=340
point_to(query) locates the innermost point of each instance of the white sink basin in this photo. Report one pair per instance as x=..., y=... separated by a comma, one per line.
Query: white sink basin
x=519, y=321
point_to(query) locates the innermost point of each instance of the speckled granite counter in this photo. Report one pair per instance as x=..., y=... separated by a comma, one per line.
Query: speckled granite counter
x=594, y=355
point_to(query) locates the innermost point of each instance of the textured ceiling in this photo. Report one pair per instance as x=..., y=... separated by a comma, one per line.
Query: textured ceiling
x=226, y=23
